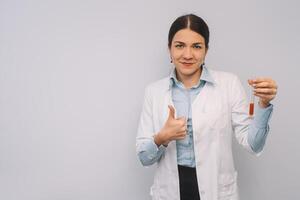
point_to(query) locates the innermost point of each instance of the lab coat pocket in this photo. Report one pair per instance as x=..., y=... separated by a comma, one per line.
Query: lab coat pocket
x=215, y=120
x=227, y=186
x=221, y=120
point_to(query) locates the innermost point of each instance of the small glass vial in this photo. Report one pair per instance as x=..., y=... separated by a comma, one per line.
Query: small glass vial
x=251, y=103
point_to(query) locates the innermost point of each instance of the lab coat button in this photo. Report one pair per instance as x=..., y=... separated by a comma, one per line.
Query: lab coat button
x=202, y=192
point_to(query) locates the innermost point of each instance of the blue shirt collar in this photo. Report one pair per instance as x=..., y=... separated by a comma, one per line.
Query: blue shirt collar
x=205, y=76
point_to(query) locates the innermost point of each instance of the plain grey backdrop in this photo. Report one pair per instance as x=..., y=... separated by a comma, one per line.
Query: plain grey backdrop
x=72, y=78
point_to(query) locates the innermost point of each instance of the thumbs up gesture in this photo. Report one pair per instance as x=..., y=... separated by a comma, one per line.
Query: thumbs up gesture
x=173, y=129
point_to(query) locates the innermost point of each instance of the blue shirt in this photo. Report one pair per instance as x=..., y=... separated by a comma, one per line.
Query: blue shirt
x=182, y=99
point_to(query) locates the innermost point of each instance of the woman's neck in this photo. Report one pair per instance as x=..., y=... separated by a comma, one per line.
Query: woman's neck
x=189, y=80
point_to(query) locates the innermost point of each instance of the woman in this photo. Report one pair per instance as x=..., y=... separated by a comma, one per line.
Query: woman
x=188, y=119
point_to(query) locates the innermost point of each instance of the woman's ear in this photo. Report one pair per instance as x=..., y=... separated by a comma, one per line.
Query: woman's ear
x=171, y=60
x=206, y=50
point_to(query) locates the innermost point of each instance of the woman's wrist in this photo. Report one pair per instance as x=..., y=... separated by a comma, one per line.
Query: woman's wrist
x=159, y=139
x=263, y=104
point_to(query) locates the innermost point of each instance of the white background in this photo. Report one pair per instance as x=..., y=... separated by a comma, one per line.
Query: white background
x=72, y=78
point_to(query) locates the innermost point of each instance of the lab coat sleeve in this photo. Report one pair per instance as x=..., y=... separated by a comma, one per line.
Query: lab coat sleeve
x=239, y=114
x=147, y=151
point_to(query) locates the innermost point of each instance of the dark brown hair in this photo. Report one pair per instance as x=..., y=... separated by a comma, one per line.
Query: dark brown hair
x=192, y=22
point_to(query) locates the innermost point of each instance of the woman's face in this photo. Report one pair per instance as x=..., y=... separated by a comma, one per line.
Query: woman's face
x=187, y=52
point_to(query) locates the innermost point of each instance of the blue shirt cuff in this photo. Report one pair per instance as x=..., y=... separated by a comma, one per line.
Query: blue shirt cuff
x=151, y=149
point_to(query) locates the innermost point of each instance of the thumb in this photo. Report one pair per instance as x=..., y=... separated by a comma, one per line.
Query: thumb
x=250, y=82
x=171, y=112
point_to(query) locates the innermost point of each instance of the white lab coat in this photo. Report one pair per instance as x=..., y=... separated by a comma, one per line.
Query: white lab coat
x=220, y=109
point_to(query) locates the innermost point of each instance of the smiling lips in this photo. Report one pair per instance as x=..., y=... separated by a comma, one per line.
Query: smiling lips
x=187, y=64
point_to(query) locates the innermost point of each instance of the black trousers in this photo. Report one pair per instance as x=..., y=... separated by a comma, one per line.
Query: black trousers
x=188, y=183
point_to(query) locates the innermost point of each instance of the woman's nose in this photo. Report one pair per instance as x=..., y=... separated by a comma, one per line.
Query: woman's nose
x=187, y=53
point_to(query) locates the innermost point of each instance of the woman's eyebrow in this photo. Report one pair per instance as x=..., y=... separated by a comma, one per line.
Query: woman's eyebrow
x=198, y=43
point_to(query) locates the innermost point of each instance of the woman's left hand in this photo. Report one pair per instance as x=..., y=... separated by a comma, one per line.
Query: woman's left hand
x=265, y=89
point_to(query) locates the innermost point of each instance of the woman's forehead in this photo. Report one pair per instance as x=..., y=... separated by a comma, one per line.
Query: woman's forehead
x=188, y=36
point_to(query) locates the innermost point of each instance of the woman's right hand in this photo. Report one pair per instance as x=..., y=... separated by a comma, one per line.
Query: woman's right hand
x=174, y=129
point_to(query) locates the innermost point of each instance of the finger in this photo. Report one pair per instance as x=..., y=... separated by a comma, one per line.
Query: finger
x=270, y=84
x=263, y=85
x=261, y=79
x=182, y=129
x=181, y=134
x=250, y=81
x=180, y=138
x=171, y=112
x=264, y=91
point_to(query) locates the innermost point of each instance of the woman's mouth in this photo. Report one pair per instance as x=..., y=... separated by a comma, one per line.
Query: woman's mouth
x=186, y=64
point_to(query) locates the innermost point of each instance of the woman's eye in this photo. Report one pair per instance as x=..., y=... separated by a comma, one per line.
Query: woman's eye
x=198, y=47
x=179, y=46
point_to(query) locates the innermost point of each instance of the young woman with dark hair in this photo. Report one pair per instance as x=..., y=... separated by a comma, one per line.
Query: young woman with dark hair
x=188, y=119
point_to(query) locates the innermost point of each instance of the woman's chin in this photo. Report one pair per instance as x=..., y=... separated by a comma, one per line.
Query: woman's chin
x=187, y=71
